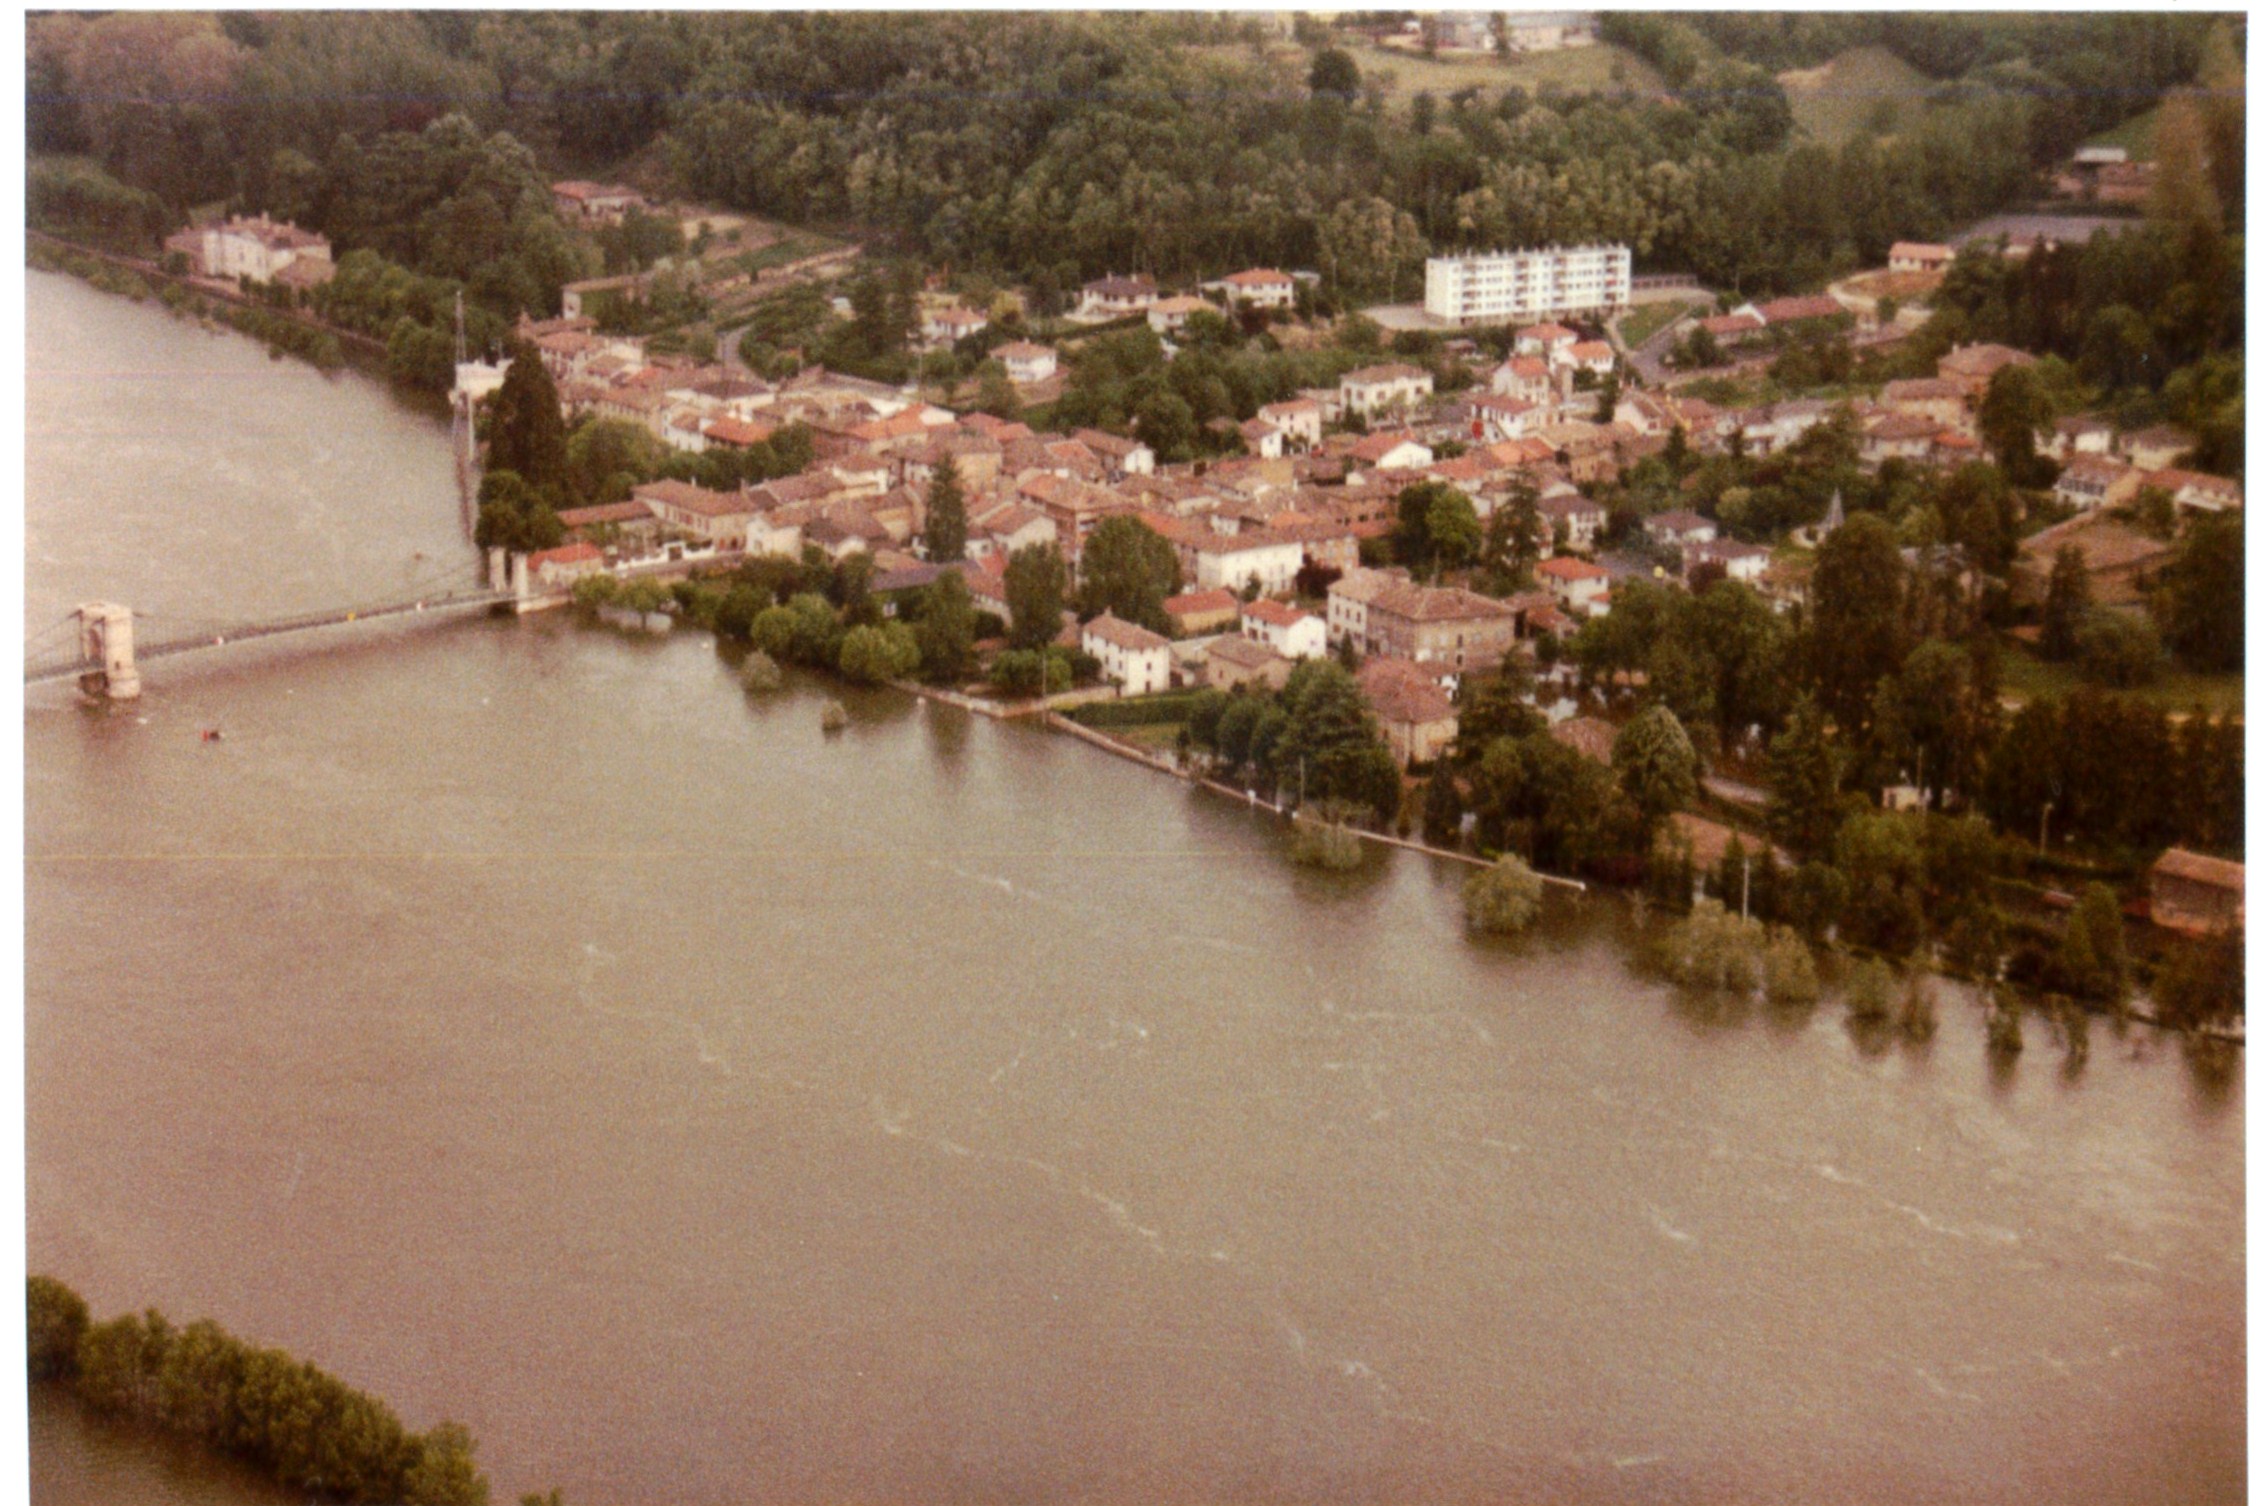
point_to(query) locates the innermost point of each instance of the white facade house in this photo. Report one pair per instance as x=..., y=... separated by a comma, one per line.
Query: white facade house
x=1292, y=632
x=1379, y=389
x=1261, y=287
x=260, y=248
x=1130, y=656
x=1024, y=361
x=1168, y=315
x=1504, y=286
x=948, y=326
x=1299, y=419
x=1233, y=561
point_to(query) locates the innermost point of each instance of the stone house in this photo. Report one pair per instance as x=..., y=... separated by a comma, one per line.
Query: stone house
x=1130, y=656
x=1416, y=717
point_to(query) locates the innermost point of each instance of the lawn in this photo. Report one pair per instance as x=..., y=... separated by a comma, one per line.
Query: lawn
x=2026, y=677
x=794, y=245
x=1640, y=325
x=1153, y=737
x=2138, y=136
x=1866, y=88
x=1600, y=68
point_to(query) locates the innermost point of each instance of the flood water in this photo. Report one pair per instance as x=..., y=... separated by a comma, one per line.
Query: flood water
x=527, y=1026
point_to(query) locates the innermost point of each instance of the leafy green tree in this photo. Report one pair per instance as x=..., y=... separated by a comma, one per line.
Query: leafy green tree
x=1518, y=534
x=55, y=1321
x=1502, y=900
x=1805, y=767
x=1035, y=592
x=513, y=516
x=946, y=629
x=445, y=1473
x=1882, y=860
x=2202, y=598
x=2201, y=982
x=525, y=429
x=1327, y=743
x=1655, y=764
x=1334, y=73
x=945, y=514
x=1436, y=527
x=1935, y=720
x=1858, y=617
x=2119, y=650
x=2092, y=962
x=1129, y=570
x=872, y=655
x=606, y=458
x=2065, y=608
x=1167, y=424
x=2014, y=409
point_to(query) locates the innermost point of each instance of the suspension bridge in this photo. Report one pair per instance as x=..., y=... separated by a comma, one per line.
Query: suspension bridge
x=95, y=643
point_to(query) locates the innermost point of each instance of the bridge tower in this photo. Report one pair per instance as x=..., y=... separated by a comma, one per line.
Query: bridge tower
x=105, y=635
x=463, y=436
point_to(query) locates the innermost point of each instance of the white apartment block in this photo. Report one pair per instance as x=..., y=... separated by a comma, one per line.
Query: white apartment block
x=1503, y=287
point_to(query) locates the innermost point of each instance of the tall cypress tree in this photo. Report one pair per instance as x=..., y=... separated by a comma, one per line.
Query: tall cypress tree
x=526, y=430
x=2066, y=606
x=945, y=514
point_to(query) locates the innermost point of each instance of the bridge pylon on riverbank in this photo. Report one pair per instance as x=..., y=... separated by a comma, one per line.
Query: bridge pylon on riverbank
x=105, y=637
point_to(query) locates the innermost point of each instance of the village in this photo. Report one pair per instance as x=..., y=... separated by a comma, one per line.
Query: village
x=1515, y=393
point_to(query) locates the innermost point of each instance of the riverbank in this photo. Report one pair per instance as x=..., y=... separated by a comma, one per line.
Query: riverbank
x=290, y=330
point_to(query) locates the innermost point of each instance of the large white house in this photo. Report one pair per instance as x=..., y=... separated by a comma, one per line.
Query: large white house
x=1497, y=287
x=1261, y=287
x=1299, y=420
x=1294, y=633
x=261, y=248
x=1374, y=389
x=1129, y=655
x=1234, y=560
x=1024, y=361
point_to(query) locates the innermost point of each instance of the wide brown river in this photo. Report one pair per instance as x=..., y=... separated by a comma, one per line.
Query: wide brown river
x=529, y=1027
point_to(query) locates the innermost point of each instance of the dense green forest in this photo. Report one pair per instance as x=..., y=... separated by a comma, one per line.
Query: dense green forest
x=1069, y=144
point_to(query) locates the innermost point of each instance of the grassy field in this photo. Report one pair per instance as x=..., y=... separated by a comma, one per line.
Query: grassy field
x=1155, y=737
x=1866, y=88
x=1578, y=70
x=2026, y=677
x=1642, y=322
x=2138, y=136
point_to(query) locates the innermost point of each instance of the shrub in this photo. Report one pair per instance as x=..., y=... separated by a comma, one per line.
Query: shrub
x=1917, y=1006
x=1503, y=899
x=1869, y=992
x=1324, y=839
x=834, y=716
x=1714, y=948
x=760, y=673
x=1791, y=977
x=2004, y=1025
x=874, y=655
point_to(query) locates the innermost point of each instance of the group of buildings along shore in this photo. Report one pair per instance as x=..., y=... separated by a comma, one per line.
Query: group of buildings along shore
x=1270, y=541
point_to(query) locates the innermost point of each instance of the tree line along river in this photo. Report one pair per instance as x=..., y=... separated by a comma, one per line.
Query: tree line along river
x=525, y=1025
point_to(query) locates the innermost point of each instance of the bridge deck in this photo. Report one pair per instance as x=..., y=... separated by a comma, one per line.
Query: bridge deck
x=74, y=663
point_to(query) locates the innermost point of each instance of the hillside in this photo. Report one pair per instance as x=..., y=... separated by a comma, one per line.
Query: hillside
x=1864, y=88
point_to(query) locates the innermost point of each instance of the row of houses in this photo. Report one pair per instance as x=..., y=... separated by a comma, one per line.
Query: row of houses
x=1117, y=297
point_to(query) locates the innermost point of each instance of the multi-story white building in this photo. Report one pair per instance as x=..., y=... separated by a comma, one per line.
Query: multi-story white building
x=1499, y=287
x=261, y=248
